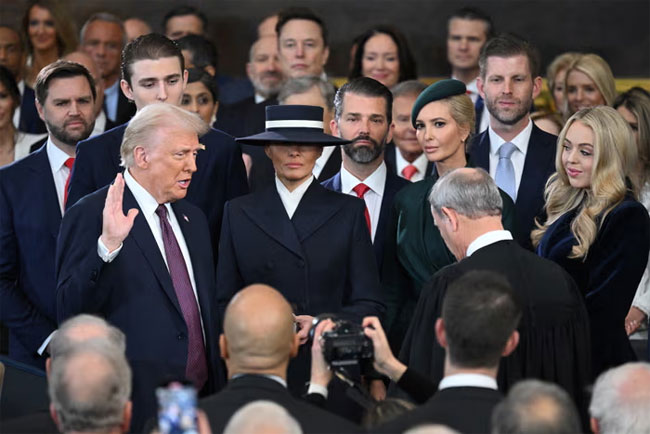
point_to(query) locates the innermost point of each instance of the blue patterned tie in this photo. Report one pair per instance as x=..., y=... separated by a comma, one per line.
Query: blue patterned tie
x=197, y=367
x=505, y=176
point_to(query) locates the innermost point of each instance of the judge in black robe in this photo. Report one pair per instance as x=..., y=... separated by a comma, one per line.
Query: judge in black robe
x=554, y=341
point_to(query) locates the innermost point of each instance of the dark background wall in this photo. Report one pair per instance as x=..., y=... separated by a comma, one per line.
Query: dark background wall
x=617, y=30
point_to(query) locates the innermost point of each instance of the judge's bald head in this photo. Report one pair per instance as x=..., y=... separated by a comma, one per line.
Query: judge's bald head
x=259, y=332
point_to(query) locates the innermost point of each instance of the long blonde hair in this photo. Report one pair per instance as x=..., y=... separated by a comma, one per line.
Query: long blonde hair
x=614, y=161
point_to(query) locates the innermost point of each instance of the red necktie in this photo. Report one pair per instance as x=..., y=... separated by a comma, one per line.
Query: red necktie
x=361, y=189
x=409, y=171
x=68, y=163
x=196, y=369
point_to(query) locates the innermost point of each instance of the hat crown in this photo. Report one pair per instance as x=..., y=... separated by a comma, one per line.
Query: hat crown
x=294, y=116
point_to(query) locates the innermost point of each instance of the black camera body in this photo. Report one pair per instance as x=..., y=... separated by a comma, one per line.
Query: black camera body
x=345, y=344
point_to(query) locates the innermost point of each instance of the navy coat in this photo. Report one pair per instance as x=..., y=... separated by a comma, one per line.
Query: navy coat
x=29, y=224
x=134, y=292
x=220, y=172
x=538, y=166
x=392, y=185
x=321, y=260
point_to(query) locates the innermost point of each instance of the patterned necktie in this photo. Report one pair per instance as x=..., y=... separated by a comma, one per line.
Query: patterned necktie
x=409, y=171
x=68, y=163
x=196, y=369
x=361, y=190
x=505, y=176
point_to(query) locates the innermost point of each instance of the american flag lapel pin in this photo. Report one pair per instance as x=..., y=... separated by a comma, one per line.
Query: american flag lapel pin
x=186, y=219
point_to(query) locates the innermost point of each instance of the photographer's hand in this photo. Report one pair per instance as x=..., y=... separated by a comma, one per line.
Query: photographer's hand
x=320, y=372
x=304, y=325
x=385, y=362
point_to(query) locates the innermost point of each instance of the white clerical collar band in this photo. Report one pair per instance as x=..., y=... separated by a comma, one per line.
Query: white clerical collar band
x=293, y=123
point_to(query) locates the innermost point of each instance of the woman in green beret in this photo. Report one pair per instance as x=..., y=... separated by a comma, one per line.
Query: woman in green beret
x=444, y=118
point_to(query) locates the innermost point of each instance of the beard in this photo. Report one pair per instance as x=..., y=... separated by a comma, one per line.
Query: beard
x=268, y=90
x=364, y=154
x=70, y=138
x=509, y=117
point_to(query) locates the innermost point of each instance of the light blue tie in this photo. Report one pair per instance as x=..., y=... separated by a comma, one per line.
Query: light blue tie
x=505, y=176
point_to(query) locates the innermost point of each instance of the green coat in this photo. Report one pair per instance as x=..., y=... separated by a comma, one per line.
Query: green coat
x=414, y=252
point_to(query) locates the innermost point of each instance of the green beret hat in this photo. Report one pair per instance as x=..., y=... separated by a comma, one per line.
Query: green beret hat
x=438, y=90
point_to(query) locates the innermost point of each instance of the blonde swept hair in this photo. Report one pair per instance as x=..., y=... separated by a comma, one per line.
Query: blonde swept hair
x=152, y=118
x=559, y=63
x=598, y=70
x=614, y=160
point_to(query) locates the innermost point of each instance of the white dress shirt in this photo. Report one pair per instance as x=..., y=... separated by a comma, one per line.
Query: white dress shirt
x=100, y=124
x=472, y=92
x=291, y=199
x=373, y=197
x=21, y=90
x=518, y=157
x=468, y=380
x=148, y=205
x=420, y=163
x=486, y=239
x=322, y=160
x=59, y=171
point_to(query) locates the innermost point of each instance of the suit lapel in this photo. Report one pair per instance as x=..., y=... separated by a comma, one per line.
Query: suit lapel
x=46, y=190
x=481, y=152
x=268, y=212
x=313, y=210
x=336, y=182
x=141, y=233
x=533, y=177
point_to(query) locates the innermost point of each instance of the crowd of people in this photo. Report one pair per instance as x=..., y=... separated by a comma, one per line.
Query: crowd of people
x=161, y=223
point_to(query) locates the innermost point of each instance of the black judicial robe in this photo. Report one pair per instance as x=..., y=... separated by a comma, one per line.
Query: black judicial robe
x=608, y=277
x=414, y=251
x=554, y=329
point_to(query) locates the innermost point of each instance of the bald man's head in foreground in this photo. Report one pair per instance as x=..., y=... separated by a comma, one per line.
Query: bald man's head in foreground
x=87, y=62
x=259, y=334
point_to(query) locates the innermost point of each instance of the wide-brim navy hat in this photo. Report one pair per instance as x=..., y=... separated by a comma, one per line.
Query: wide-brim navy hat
x=299, y=124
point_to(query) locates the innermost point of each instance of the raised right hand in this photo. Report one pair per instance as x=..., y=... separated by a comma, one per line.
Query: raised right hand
x=115, y=225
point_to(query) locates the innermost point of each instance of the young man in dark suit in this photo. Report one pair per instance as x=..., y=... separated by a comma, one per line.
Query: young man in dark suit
x=32, y=200
x=139, y=255
x=257, y=343
x=517, y=154
x=309, y=242
x=153, y=71
x=363, y=116
x=477, y=327
x=554, y=329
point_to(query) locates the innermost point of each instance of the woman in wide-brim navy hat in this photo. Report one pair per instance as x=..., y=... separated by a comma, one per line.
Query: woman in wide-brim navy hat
x=310, y=243
x=293, y=140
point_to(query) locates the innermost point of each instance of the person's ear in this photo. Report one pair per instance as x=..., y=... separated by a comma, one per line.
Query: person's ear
x=391, y=128
x=140, y=157
x=334, y=128
x=326, y=55
x=210, y=70
x=267, y=151
x=48, y=366
x=479, y=86
x=537, y=86
x=593, y=424
x=511, y=344
x=249, y=71
x=126, y=89
x=126, y=416
x=295, y=346
x=223, y=346
x=452, y=217
x=39, y=109
x=441, y=335
x=55, y=417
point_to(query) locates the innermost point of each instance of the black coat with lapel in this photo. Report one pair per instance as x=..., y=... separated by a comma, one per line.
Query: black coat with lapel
x=248, y=388
x=538, y=166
